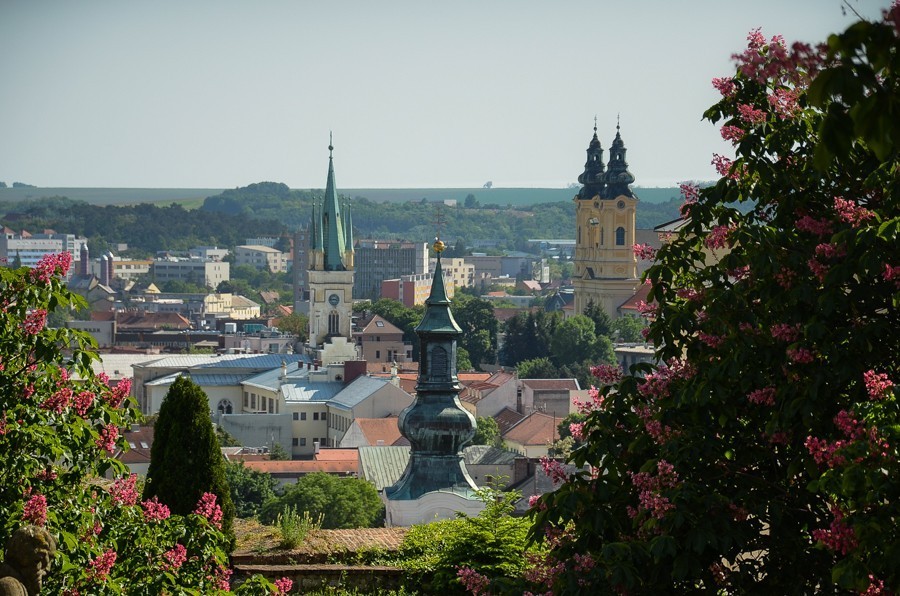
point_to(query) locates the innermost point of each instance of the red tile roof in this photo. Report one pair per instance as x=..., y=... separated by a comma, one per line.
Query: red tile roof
x=379, y=429
x=558, y=384
x=337, y=454
x=535, y=429
x=631, y=305
x=300, y=467
x=507, y=418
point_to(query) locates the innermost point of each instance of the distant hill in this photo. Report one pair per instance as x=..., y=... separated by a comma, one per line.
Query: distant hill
x=501, y=197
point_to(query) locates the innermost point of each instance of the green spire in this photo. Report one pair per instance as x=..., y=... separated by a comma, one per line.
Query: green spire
x=332, y=222
x=438, y=318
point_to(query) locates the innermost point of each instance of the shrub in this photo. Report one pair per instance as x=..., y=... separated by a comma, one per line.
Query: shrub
x=294, y=527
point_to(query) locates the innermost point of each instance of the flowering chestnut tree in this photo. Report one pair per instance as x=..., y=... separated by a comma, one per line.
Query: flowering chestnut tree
x=59, y=424
x=761, y=453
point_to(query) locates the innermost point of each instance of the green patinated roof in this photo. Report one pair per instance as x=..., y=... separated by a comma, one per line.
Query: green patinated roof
x=384, y=465
x=333, y=224
x=438, y=318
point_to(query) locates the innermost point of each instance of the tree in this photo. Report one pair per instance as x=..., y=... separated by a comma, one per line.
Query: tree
x=471, y=202
x=479, y=326
x=603, y=325
x=462, y=359
x=249, y=488
x=278, y=453
x=573, y=341
x=59, y=426
x=295, y=324
x=342, y=502
x=629, y=328
x=185, y=460
x=487, y=432
x=538, y=368
x=761, y=455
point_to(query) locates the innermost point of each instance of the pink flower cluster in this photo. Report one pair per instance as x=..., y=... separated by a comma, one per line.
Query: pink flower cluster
x=750, y=115
x=117, y=394
x=174, y=558
x=825, y=452
x=733, y=133
x=649, y=488
x=659, y=432
x=850, y=426
x=656, y=384
x=596, y=402
x=108, y=437
x=647, y=310
x=774, y=62
x=608, y=374
x=577, y=430
x=723, y=166
x=818, y=227
x=839, y=537
x=878, y=385
x=34, y=321
x=691, y=193
x=800, y=355
x=876, y=586
x=762, y=397
x=154, y=510
x=891, y=273
x=83, y=402
x=50, y=265
x=123, y=490
x=784, y=102
x=58, y=400
x=644, y=252
x=35, y=510
x=208, y=508
x=724, y=85
x=283, y=586
x=554, y=470
x=690, y=294
x=785, y=332
x=718, y=236
x=222, y=578
x=852, y=213
x=472, y=581
x=785, y=278
x=713, y=341
x=102, y=565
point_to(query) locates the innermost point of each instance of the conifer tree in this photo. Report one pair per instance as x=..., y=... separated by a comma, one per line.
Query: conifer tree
x=186, y=461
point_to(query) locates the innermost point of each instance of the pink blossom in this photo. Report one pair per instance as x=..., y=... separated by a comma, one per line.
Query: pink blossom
x=647, y=310
x=583, y=562
x=785, y=332
x=891, y=273
x=208, y=508
x=839, y=537
x=713, y=341
x=83, y=402
x=723, y=165
x=850, y=426
x=221, y=578
x=819, y=227
x=852, y=213
x=50, y=265
x=577, y=430
x=763, y=397
x=34, y=321
x=825, y=452
x=718, y=237
x=608, y=374
x=35, y=510
x=649, y=487
x=689, y=294
x=533, y=500
x=800, y=355
x=108, y=437
x=724, y=85
x=154, y=510
x=175, y=557
x=283, y=586
x=554, y=470
x=784, y=102
x=733, y=133
x=118, y=393
x=102, y=565
x=751, y=115
x=755, y=39
x=876, y=587
x=830, y=251
x=58, y=400
x=785, y=277
x=878, y=385
x=46, y=475
x=645, y=333
x=644, y=252
x=123, y=490
x=473, y=581
x=819, y=269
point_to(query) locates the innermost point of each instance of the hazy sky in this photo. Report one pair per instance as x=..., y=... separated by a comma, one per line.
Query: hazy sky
x=218, y=94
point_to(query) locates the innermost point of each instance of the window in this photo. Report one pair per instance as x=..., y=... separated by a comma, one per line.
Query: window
x=302, y=415
x=334, y=320
x=295, y=442
x=225, y=407
x=303, y=441
x=323, y=415
x=378, y=353
x=620, y=236
x=315, y=415
x=296, y=416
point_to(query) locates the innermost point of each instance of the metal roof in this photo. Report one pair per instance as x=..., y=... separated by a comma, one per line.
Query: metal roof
x=306, y=391
x=357, y=391
x=383, y=466
x=248, y=361
x=213, y=380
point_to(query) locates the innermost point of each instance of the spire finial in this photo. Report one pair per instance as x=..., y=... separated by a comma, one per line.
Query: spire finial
x=617, y=122
x=330, y=144
x=595, y=122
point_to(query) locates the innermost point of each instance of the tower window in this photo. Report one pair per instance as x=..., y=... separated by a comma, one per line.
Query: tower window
x=334, y=320
x=620, y=236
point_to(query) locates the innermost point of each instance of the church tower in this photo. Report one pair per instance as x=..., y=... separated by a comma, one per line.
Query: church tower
x=605, y=263
x=330, y=274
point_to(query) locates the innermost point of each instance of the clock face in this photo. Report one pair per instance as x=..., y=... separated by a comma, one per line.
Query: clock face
x=334, y=300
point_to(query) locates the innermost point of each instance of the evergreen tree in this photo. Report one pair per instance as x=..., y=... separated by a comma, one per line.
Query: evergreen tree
x=185, y=460
x=603, y=325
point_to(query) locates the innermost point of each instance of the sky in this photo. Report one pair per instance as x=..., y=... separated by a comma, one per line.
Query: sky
x=223, y=93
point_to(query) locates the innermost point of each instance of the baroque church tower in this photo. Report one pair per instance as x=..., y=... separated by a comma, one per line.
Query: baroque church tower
x=605, y=263
x=330, y=274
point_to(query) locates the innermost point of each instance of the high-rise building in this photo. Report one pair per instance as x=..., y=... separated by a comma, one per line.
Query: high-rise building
x=605, y=263
x=378, y=260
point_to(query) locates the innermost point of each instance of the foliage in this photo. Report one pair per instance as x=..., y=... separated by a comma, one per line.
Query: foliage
x=528, y=336
x=487, y=432
x=249, y=488
x=59, y=424
x=479, y=326
x=278, y=453
x=492, y=544
x=342, y=502
x=628, y=329
x=396, y=313
x=185, y=459
x=463, y=362
x=294, y=527
x=538, y=368
x=763, y=455
x=295, y=324
x=574, y=341
x=603, y=325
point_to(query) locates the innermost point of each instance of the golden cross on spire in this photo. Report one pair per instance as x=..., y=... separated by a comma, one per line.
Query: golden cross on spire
x=438, y=221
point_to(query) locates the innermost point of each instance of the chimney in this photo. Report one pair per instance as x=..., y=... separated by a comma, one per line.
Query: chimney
x=316, y=447
x=354, y=369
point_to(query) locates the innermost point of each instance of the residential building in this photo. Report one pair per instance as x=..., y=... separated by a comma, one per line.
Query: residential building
x=264, y=258
x=458, y=272
x=27, y=249
x=232, y=306
x=489, y=397
x=533, y=436
x=206, y=273
x=382, y=341
x=605, y=263
x=411, y=290
x=378, y=260
x=549, y=396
